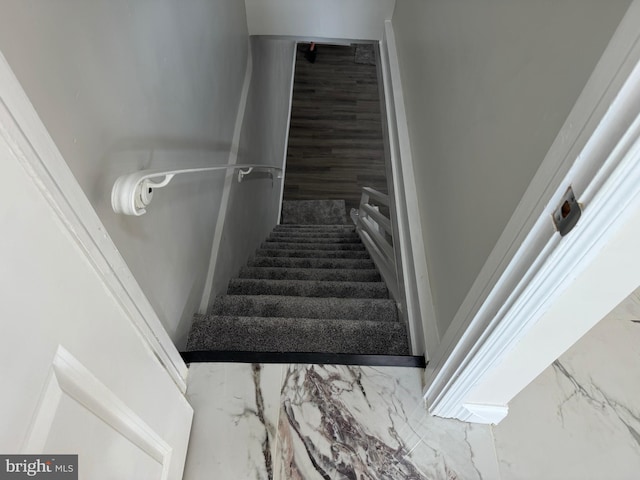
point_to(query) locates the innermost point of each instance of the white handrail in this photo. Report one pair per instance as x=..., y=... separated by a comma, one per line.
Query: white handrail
x=368, y=192
x=132, y=193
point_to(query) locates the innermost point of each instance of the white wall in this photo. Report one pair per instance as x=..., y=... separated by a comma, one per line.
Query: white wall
x=254, y=204
x=487, y=86
x=348, y=19
x=128, y=85
x=580, y=418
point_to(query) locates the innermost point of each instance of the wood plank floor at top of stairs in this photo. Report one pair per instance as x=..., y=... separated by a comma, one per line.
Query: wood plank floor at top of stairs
x=335, y=139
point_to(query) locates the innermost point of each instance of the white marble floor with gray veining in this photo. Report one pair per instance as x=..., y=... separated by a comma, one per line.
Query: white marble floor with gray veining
x=325, y=422
x=585, y=406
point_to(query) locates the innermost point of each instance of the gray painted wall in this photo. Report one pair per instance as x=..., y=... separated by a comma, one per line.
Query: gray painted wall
x=253, y=204
x=487, y=86
x=126, y=85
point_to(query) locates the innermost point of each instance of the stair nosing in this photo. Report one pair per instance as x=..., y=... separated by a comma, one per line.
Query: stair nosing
x=342, y=282
x=203, y=317
x=309, y=358
x=281, y=297
x=352, y=263
x=291, y=253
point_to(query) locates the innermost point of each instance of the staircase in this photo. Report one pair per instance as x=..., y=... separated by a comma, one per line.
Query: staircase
x=311, y=287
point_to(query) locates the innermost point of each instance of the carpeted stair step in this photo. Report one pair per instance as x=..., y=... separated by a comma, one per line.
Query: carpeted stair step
x=320, y=274
x=323, y=263
x=271, y=245
x=311, y=288
x=314, y=212
x=308, y=288
x=315, y=228
x=351, y=254
x=344, y=232
x=379, y=310
x=229, y=333
x=314, y=238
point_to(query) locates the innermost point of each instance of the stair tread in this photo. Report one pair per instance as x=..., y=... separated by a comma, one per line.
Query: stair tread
x=324, y=236
x=319, y=228
x=375, y=309
x=326, y=274
x=314, y=239
x=308, y=288
x=311, y=262
x=271, y=245
x=352, y=254
x=291, y=334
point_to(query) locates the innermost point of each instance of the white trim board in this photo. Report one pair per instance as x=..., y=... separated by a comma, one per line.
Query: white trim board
x=286, y=135
x=405, y=309
x=23, y=129
x=423, y=328
x=531, y=270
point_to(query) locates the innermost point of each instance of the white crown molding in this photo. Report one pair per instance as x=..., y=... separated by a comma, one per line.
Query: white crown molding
x=597, y=152
x=21, y=127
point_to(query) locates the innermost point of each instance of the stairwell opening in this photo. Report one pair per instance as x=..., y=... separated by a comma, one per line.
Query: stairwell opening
x=312, y=289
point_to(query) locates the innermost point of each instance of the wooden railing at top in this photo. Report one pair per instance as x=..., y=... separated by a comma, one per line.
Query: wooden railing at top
x=376, y=232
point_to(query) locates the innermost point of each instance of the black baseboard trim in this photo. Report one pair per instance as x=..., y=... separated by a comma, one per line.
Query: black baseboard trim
x=206, y=356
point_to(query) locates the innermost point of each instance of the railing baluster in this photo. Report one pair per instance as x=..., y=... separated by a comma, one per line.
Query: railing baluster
x=379, y=218
x=380, y=241
x=373, y=227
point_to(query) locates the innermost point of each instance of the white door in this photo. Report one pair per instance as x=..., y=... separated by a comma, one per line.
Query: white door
x=77, y=375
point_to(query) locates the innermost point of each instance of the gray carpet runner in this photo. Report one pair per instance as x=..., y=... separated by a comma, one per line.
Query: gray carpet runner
x=314, y=212
x=309, y=288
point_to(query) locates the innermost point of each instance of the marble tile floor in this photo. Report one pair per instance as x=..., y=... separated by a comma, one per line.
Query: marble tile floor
x=264, y=421
x=586, y=409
